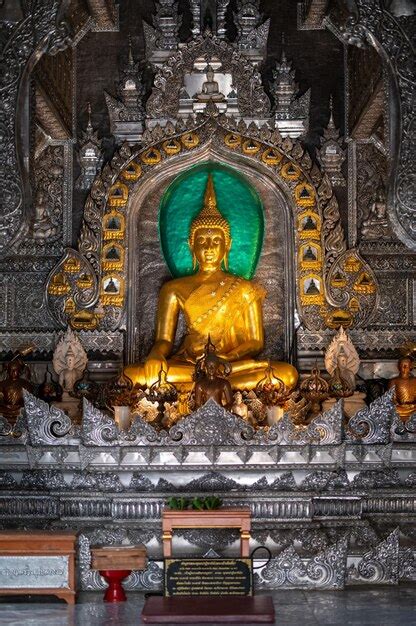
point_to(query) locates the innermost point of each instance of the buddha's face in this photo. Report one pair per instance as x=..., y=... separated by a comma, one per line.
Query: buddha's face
x=405, y=368
x=211, y=368
x=14, y=371
x=342, y=360
x=209, y=247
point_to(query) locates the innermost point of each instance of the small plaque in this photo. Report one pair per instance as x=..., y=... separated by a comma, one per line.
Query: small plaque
x=208, y=577
x=34, y=572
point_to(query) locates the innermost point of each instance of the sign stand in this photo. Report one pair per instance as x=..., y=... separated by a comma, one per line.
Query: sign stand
x=208, y=590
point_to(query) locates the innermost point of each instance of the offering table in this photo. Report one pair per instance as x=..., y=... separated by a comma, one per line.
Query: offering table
x=220, y=518
x=115, y=564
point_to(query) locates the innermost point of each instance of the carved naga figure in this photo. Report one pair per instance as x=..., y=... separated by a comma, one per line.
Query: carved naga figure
x=69, y=360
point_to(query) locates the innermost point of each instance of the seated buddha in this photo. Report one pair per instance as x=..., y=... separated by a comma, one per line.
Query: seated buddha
x=215, y=304
x=210, y=89
x=404, y=386
x=376, y=225
x=11, y=388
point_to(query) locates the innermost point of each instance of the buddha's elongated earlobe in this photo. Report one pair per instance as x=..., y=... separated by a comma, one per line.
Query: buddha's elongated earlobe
x=194, y=261
x=225, y=259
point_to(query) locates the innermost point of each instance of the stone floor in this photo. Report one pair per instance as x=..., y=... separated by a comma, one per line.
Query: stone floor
x=384, y=606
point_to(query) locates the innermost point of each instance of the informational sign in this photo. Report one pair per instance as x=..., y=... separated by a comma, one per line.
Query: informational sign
x=34, y=572
x=208, y=577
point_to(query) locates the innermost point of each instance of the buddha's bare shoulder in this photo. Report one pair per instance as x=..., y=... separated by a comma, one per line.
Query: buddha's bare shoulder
x=251, y=289
x=177, y=285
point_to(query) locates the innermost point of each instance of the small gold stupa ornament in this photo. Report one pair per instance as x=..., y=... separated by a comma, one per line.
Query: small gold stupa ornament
x=119, y=392
x=162, y=390
x=339, y=386
x=59, y=285
x=72, y=265
x=271, y=389
x=315, y=390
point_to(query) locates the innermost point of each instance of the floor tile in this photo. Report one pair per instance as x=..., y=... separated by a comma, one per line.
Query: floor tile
x=383, y=606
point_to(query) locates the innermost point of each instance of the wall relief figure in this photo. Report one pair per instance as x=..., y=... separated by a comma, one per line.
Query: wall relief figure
x=376, y=225
x=69, y=360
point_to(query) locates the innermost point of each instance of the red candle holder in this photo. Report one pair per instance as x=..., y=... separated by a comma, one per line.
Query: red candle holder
x=114, y=578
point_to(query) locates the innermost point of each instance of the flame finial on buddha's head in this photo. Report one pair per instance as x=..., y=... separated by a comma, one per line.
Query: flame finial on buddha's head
x=209, y=216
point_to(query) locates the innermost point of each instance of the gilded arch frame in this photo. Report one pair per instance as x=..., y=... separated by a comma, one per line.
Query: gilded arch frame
x=285, y=162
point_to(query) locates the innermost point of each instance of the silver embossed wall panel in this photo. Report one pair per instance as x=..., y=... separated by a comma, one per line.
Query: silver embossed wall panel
x=371, y=174
x=393, y=37
x=150, y=271
x=394, y=308
x=38, y=31
x=24, y=305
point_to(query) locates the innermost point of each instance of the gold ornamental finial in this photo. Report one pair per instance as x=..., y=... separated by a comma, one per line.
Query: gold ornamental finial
x=209, y=216
x=210, y=199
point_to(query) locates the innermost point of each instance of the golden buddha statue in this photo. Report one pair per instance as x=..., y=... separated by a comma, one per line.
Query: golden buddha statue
x=11, y=388
x=404, y=389
x=212, y=385
x=215, y=304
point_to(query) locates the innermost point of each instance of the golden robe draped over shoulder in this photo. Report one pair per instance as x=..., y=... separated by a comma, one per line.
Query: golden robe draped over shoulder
x=219, y=313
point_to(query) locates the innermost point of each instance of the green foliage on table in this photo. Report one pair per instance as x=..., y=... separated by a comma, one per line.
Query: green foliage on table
x=206, y=504
x=212, y=502
x=198, y=504
x=178, y=504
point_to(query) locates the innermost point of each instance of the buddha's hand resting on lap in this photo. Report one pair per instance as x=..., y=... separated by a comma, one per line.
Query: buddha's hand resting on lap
x=153, y=364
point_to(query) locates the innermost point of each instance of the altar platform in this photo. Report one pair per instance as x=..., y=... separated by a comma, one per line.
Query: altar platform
x=334, y=505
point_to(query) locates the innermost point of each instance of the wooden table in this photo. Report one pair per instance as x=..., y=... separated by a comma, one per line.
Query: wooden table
x=115, y=563
x=220, y=518
x=38, y=562
x=119, y=557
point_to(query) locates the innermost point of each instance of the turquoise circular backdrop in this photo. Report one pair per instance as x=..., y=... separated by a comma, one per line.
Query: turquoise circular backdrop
x=238, y=202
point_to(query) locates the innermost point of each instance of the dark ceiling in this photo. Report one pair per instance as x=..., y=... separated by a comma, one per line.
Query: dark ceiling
x=317, y=57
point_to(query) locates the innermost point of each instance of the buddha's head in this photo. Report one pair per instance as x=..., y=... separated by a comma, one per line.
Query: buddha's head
x=209, y=73
x=342, y=359
x=14, y=369
x=70, y=358
x=211, y=365
x=210, y=237
x=405, y=366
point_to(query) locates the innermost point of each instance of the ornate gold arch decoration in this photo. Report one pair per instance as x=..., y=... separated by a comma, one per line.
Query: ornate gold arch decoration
x=305, y=195
x=132, y=172
x=114, y=226
x=172, y=146
x=316, y=217
x=113, y=257
x=312, y=289
x=119, y=194
x=309, y=225
x=310, y=256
